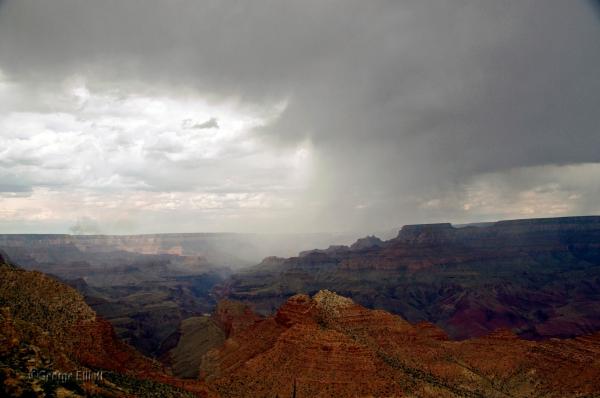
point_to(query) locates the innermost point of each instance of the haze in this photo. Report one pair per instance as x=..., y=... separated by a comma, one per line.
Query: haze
x=130, y=116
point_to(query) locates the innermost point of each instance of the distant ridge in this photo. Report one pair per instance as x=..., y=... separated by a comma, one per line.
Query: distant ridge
x=537, y=277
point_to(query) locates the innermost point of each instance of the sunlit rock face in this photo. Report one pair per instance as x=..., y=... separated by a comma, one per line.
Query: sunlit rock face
x=537, y=277
x=327, y=345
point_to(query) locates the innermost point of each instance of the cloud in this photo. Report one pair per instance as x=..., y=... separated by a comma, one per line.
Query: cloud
x=113, y=142
x=211, y=123
x=403, y=103
x=525, y=192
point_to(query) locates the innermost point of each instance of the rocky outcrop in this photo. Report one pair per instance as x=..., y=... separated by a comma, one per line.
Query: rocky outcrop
x=46, y=326
x=422, y=234
x=539, y=278
x=366, y=243
x=233, y=316
x=329, y=346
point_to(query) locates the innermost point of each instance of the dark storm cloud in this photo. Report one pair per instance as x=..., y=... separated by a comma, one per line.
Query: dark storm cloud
x=401, y=100
x=596, y=3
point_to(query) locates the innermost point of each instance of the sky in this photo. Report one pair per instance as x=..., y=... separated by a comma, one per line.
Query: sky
x=144, y=116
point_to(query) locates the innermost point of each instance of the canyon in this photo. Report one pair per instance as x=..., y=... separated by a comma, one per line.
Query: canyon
x=147, y=285
x=319, y=346
x=47, y=329
x=538, y=277
x=327, y=345
x=487, y=310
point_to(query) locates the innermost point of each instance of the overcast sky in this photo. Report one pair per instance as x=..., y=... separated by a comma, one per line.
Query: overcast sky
x=135, y=116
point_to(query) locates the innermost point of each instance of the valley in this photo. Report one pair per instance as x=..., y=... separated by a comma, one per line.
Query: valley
x=496, y=309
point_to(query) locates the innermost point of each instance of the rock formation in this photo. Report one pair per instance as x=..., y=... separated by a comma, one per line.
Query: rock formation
x=539, y=278
x=329, y=346
x=46, y=327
